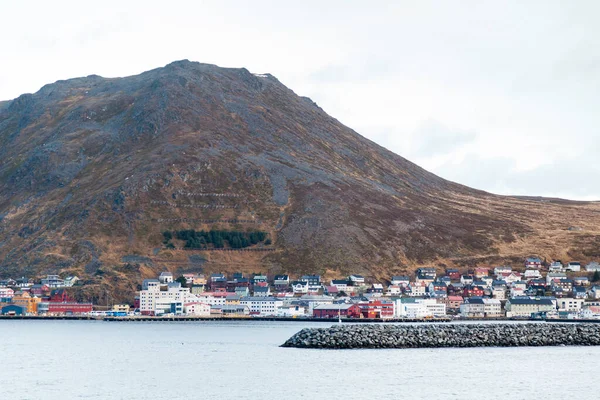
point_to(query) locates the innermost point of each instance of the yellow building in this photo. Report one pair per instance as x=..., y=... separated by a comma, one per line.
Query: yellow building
x=25, y=300
x=121, y=307
x=232, y=300
x=199, y=280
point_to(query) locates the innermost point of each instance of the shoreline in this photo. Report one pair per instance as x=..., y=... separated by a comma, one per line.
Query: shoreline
x=286, y=319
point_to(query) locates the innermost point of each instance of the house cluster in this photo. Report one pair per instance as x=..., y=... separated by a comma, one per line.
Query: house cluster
x=537, y=289
x=48, y=297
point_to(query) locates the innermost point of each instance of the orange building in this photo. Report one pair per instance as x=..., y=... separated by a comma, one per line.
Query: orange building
x=26, y=301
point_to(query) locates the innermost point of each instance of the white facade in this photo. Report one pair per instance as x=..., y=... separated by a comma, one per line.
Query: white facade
x=574, y=266
x=551, y=276
x=197, y=309
x=394, y=290
x=492, y=307
x=417, y=289
x=291, y=311
x=157, y=301
x=6, y=293
x=314, y=301
x=569, y=304
x=165, y=277
x=473, y=309
x=499, y=292
x=532, y=274
x=211, y=300
x=262, y=306
x=421, y=308
x=300, y=287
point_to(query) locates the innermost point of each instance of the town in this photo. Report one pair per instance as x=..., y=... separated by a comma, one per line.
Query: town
x=542, y=290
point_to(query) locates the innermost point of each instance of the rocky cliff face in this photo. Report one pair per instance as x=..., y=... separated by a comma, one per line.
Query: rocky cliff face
x=92, y=170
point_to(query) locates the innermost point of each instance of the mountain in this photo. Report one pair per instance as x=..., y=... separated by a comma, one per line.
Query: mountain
x=94, y=170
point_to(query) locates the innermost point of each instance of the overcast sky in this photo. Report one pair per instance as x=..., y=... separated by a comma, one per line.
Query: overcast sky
x=499, y=95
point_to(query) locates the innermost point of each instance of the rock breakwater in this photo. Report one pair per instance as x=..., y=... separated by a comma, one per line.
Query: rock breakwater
x=446, y=335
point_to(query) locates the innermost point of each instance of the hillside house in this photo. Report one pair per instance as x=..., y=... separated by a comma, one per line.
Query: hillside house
x=300, y=287
x=400, y=280
x=357, y=280
x=593, y=267
x=574, y=266
x=533, y=262
x=505, y=269
x=480, y=272
x=453, y=273
x=556, y=266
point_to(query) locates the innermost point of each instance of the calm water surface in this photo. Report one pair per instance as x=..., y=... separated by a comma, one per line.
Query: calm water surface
x=242, y=360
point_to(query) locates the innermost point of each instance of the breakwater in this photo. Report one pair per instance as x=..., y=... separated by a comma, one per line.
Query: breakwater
x=446, y=335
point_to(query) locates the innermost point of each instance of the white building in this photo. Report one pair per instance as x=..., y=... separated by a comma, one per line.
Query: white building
x=417, y=289
x=53, y=281
x=502, y=270
x=532, y=274
x=165, y=277
x=154, y=301
x=394, y=290
x=197, y=309
x=6, y=293
x=300, y=287
x=357, y=280
x=574, y=266
x=524, y=307
x=211, y=300
x=291, y=311
x=556, y=266
x=314, y=301
x=492, y=308
x=569, y=304
x=419, y=308
x=499, y=292
x=473, y=307
x=262, y=306
x=551, y=276
x=593, y=267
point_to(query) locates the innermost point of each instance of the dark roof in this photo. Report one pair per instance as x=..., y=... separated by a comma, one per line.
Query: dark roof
x=545, y=302
x=339, y=282
x=474, y=300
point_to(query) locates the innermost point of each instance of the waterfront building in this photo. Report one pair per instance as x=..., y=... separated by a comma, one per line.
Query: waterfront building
x=342, y=310
x=28, y=302
x=262, y=306
x=196, y=309
x=154, y=300
x=12, y=309
x=524, y=306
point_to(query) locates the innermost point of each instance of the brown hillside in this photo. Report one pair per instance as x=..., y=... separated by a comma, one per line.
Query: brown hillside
x=92, y=170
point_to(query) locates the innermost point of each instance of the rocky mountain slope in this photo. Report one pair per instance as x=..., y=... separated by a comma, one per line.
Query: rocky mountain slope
x=93, y=170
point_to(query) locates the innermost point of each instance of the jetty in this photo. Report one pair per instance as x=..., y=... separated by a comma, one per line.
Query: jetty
x=446, y=335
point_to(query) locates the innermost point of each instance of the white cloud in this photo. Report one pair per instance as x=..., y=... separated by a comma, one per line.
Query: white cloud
x=512, y=83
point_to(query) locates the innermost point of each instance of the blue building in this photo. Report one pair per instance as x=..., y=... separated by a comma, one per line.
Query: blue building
x=12, y=309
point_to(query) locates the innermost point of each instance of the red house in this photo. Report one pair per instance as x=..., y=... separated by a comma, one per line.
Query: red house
x=472, y=291
x=69, y=308
x=335, y=310
x=61, y=303
x=377, y=309
x=454, y=274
